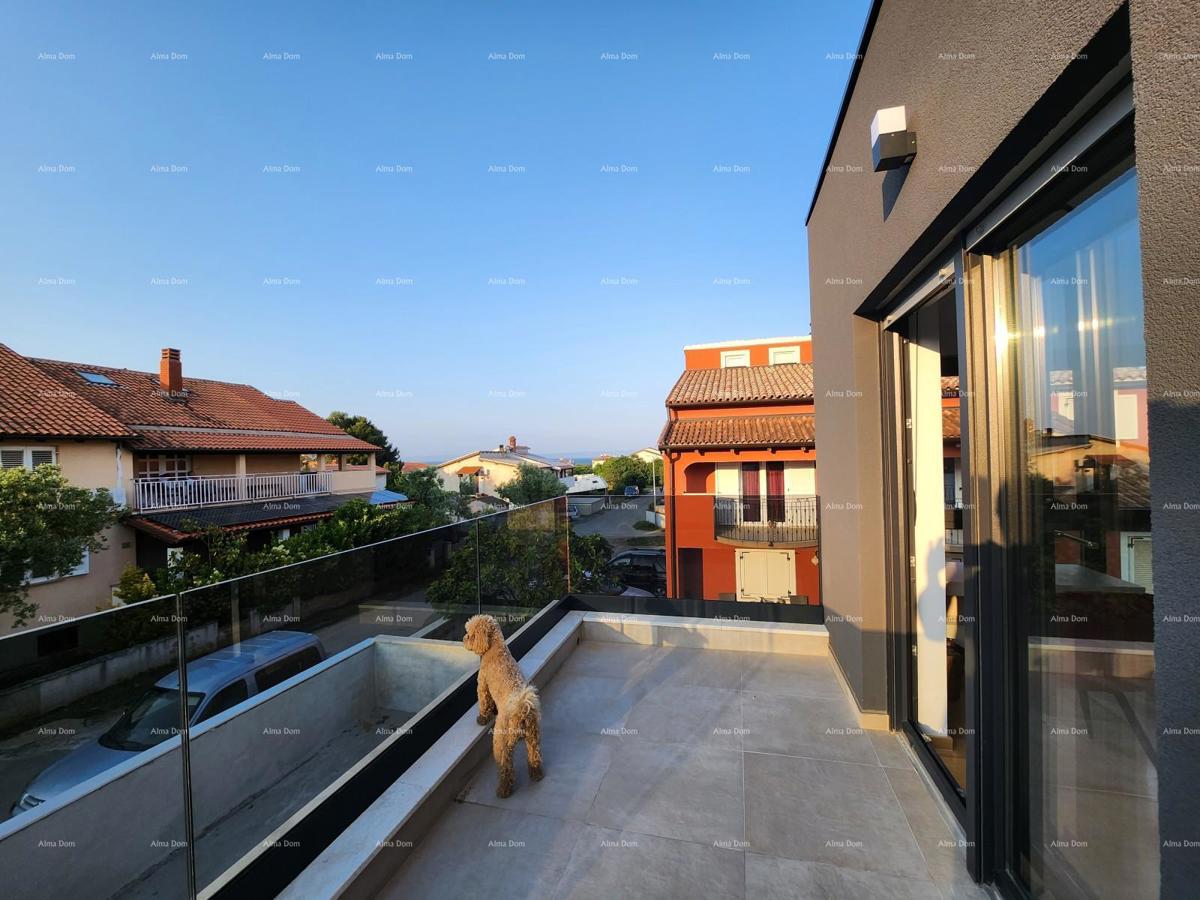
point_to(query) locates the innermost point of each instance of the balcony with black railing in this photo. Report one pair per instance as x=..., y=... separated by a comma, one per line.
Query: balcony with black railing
x=777, y=521
x=954, y=526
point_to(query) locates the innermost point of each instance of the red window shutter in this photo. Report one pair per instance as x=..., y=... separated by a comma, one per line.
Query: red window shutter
x=751, y=503
x=775, y=503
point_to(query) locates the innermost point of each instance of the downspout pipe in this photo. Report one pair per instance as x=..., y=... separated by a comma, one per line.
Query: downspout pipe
x=672, y=543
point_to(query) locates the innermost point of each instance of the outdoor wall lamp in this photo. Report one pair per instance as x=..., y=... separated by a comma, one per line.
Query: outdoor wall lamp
x=892, y=144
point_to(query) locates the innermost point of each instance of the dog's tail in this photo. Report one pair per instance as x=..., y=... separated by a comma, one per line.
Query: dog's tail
x=524, y=706
x=525, y=713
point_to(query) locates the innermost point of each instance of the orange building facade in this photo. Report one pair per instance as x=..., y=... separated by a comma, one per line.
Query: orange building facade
x=742, y=512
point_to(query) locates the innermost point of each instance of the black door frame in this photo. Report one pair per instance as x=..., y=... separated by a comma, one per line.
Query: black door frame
x=899, y=558
x=1002, y=527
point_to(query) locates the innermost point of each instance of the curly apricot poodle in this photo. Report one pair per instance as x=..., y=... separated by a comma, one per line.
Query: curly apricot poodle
x=504, y=693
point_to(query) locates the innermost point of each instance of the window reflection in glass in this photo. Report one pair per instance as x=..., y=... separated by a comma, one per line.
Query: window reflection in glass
x=1086, y=580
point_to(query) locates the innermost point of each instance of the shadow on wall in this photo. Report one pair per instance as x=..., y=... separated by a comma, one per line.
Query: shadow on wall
x=892, y=183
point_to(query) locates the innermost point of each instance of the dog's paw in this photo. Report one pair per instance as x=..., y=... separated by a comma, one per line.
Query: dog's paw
x=482, y=720
x=503, y=790
x=536, y=773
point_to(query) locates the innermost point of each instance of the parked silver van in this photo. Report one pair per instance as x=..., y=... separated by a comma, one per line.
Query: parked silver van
x=216, y=682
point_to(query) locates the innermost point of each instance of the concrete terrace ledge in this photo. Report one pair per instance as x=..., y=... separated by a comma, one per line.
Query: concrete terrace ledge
x=415, y=673
x=706, y=634
x=381, y=679
x=726, y=634
x=367, y=854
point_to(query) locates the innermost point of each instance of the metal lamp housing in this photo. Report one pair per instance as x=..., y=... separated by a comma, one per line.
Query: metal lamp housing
x=892, y=144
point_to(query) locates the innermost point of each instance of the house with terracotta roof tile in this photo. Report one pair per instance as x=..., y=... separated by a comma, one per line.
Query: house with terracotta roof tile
x=742, y=511
x=486, y=471
x=740, y=475
x=182, y=454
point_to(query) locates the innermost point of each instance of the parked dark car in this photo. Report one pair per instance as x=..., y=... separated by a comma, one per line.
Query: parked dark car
x=616, y=589
x=645, y=569
x=632, y=490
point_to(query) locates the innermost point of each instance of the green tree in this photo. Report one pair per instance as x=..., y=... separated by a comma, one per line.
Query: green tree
x=590, y=555
x=365, y=430
x=225, y=555
x=46, y=526
x=531, y=485
x=462, y=503
x=135, y=585
x=511, y=561
x=395, y=473
x=622, y=471
x=424, y=488
x=583, y=469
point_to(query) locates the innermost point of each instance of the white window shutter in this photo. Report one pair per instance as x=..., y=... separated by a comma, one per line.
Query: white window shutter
x=1143, y=567
x=41, y=458
x=84, y=565
x=22, y=457
x=1126, y=415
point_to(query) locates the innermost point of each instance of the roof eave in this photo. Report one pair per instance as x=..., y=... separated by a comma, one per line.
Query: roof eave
x=733, y=404
x=806, y=445
x=851, y=81
x=62, y=436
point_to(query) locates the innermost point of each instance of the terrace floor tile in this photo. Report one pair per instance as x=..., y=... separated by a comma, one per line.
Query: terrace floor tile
x=684, y=773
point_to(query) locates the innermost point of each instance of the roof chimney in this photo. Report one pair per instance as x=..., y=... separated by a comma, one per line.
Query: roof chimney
x=170, y=372
x=512, y=442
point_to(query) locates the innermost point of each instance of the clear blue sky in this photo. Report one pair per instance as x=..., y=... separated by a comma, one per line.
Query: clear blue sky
x=452, y=305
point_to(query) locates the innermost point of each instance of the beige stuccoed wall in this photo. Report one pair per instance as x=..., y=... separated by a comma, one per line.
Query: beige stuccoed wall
x=263, y=463
x=498, y=475
x=354, y=481
x=80, y=595
x=214, y=463
x=89, y=464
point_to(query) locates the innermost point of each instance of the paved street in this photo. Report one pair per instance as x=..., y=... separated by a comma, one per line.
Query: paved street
x=615, y=522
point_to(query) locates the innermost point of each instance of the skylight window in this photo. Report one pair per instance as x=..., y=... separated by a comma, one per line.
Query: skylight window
x=95, y=378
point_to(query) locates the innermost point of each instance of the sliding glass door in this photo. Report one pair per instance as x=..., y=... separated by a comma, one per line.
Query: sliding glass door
x=1079, y=532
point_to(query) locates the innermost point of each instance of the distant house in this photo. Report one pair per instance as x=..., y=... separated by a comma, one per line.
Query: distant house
x=183, y=454
x=649, y=455
x=486, y=471
x=381, y=474
x=742, y=514
x=601, y=459
x=739, y=461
